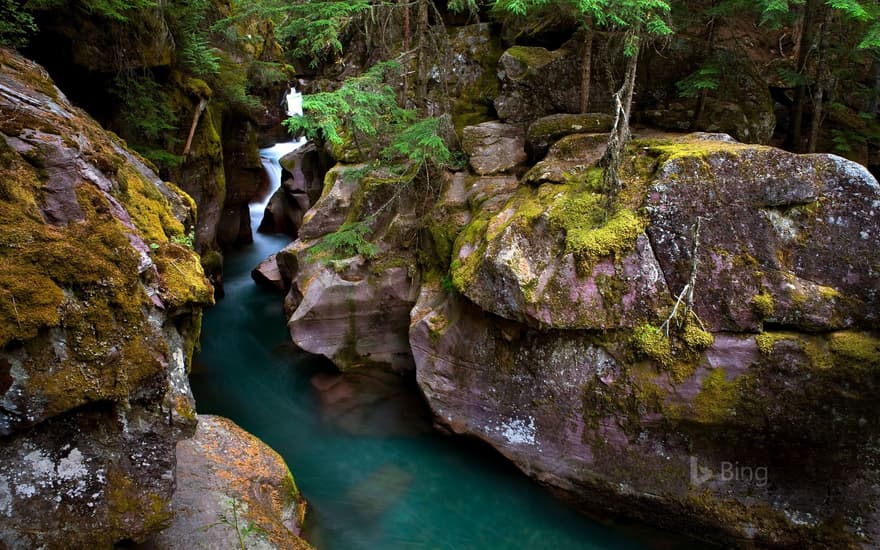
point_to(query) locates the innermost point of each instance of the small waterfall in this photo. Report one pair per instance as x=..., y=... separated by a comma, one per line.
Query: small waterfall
x=270, y=156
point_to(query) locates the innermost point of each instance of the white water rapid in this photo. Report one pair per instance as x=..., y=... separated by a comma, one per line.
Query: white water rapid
x=270, y=156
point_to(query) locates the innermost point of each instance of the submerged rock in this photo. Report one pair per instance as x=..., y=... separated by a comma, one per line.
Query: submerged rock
x=100, y=310
x=232, y=489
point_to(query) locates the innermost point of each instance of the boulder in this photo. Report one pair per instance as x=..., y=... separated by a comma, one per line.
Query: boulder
x=353, y=317
x=536, y=82
x=284, y=213
x=521, y=265
x=494, y=147
x=100, y=313
x=352, y=304
x=470, y=77
x=547, y=130
x=268, y=275
x=743, y=447
x=797, y=233
x=568, y=159
x=224, y=502
x=307, y=165
x=753, y=419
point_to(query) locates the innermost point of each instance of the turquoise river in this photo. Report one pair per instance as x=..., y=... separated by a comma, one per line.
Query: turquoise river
x=374, y=475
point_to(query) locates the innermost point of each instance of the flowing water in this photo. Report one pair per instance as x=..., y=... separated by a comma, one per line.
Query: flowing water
x=391, y=485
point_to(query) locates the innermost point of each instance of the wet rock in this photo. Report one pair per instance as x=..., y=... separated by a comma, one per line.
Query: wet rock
x=284, y=213
x=231, y=485
x=351, y=316
x=98, y=327
x=308, y=166
x=614, y=436
x=371, y=401
x=493, y=147
x=268, y=275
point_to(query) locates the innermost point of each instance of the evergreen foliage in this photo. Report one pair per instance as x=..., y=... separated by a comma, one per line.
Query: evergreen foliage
x=364, y=104
x=118, y=10
x=16, y=24
x=313, y=29
x=345, y=242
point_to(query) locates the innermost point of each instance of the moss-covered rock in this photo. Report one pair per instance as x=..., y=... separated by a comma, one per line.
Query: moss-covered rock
x=99, y=314
x=536, y=82
x=785, y=238
x=552, y=257
x=547, y=130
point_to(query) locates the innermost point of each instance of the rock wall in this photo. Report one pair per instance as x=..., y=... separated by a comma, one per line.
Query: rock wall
x=752, y=420
x=100, y=310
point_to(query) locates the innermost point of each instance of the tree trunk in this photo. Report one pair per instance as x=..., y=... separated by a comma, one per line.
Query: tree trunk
x=586, y=66
x=424, y=48
x=806, y=49
x=704, y=93
x=407, y=42
x=874, y=108
x=192, y=129
x=620, y=133
x=823, y=79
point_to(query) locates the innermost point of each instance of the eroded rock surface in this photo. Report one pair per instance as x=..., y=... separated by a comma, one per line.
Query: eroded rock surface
x=550, y=346
x=231, y=489
x=100, y=314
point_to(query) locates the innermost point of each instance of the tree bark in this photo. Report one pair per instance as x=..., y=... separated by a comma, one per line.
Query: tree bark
x=586, y=65
x=192, y=129
x=407, y=43
x=422, y=23
x=704, y=93
x=620, y=133
x=806, y=49
x=823, y=78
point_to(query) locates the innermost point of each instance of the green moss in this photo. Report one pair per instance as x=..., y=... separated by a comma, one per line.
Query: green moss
x=532, y=57
x=695, y=148
x=615, y=237
x=649, y=341
x=696, y=338
x=148, y=208
x=766, y=341
x=181, y=278
x=717, y=398
x=857, y=349
x=588, y=235
x=763, y=305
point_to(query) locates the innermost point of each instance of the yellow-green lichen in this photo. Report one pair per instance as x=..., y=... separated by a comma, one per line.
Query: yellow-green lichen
x=181, y=278
x=649, y=341
x=858, y=349
x=717, y=398
x=766, y=341
x=588, y=234
x=696, y=338
x=763, y=305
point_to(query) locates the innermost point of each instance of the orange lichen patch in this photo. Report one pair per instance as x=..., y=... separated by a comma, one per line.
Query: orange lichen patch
x=249, y=473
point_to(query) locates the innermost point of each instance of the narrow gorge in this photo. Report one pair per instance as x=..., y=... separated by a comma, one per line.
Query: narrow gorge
x=291, y=275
